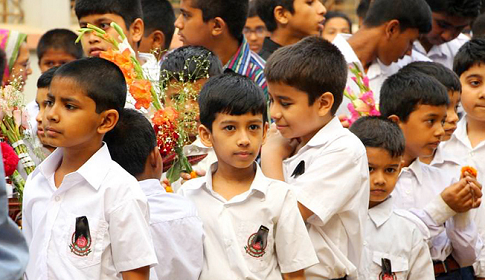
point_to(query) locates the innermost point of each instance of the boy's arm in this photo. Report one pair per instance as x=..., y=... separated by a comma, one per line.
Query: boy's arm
x=420, y=262
x=297, y=275
x=141, y=273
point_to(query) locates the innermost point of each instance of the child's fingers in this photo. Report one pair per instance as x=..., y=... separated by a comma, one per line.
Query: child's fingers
x=185, y=176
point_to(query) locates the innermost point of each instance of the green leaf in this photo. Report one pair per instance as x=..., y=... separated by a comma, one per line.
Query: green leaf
x=173, y=174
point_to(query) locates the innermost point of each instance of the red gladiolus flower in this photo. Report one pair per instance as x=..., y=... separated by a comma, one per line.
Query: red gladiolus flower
x=10, y=159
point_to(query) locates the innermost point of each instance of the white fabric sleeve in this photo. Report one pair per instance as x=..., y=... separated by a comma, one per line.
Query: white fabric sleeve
x=293, y=245
x=131, y=242
x=463, y=235
x=420, y=262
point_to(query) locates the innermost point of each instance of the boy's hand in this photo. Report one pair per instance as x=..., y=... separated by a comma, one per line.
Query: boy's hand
x=462, y=196
x=141, y=273
x=344, y=121
x=277, y=146
x=297, y=275
x=186, y=176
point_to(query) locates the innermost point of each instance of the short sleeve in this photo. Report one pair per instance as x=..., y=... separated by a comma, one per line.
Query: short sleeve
x=293, y=245
x=131, y=242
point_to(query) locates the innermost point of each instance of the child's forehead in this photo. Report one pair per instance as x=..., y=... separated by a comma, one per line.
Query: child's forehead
x=476, y=70
x=57, y=52
x=381, y=155
x=222, y=117
x=103, y=17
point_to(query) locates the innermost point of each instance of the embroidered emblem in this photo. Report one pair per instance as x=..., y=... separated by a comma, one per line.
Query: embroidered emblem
x=81, y=238
x=386, y=273
x=257, y=242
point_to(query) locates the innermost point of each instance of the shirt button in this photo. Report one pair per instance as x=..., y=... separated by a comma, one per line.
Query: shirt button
x=57, y=198
x=408, y=191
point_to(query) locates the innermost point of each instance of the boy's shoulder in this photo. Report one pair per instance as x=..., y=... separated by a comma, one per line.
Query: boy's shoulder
x=409, y=222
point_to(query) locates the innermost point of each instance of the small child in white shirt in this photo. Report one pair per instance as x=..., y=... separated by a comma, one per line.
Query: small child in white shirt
x=175, y=227
x=253, y=229
x=85, y=217
x=394, y=246
x=418, y=104
x=308, y=148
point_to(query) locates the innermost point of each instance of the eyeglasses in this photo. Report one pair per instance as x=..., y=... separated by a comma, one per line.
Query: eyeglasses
x=260, y=31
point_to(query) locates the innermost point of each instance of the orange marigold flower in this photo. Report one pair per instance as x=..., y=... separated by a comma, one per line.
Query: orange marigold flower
x=472, y=171
x=140, y=90
x=123, y=61
x=164, y=116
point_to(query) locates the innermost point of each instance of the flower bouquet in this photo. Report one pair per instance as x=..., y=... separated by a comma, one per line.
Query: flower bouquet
x=362, y=104
x=13, y=128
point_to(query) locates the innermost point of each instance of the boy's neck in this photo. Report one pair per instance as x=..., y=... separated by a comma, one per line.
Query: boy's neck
x=425, y=43
x=364, y=44
x=283, y=37
x=73, y=159
x=475, y=130
x=229, y=181
x=408, y=159
x=226, y=48
x=427, y=160
x=305, y=139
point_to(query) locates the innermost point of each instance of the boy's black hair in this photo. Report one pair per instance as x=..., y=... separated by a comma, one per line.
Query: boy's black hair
x=45, y=79
x=266, y=8
x=252, y=11
x=335, y=14
x=159, y=15
x=59, y=39
x=362, y=8
x=404, y=91
x=478, y=26
x=176, y=63
x=413, y=14
x=445, y=76
x=3, y=62
x=129, y=10
x=462, y=8
x=378, y=132
x=313, y=65
x=233, y=12
x=232, y=94
x=101, y=79
x=131, y=141
x=470, y=54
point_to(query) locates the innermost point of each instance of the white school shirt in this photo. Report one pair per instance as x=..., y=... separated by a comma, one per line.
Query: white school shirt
x=117, y=213
x=377, y=72
x=394, y=235
x=460, y=147
x=418, y=190
x=443, y=54
x=335, y=187
x=231, y=227
x=177, y=234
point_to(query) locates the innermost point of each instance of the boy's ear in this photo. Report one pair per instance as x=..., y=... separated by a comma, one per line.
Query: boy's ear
x=109, y=119
x=137, y=28
x=393, y=28
x=281, y=15
x=325, y=103
x=394, y=119
x=205, y=135
x=158, y=40
x=265, y=132
x=218, y=25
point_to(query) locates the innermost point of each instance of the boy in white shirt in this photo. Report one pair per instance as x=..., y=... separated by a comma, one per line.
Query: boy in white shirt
x=85, y=217
x=324, y=163
x=450, y=17
x=468, y=142
x=253, y=229
x=394, y=245
x=387, y=35
x=418, y=104
x=175, y=227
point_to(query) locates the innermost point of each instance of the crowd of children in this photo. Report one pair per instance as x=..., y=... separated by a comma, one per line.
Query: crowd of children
x=287, y=187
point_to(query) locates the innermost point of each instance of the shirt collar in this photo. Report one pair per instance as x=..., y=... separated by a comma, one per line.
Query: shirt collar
x=93, y=171
x=341, y=43
x=270, y=45
x=441, y=156
x=416, y=168
x=434, y=51
x=460, y=133
x=326, y=133
x=151, y=186
x=260, y=182
x=241, y=57
x=379, y=214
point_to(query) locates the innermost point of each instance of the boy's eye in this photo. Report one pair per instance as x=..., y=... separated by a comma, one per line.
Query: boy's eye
x=48, y=103
x=70, y=107
x=229, y=128
x=474, y=83
x=390, y=170
x=371, y=169
x=104, y=25
x=254, y=127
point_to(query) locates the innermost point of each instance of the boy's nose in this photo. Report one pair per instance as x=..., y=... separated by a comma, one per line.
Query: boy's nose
x=243, y=140
x=378, y=179
x=321, y=8
x=178, y=22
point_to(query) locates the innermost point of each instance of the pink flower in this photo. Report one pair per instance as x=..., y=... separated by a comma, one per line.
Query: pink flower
x=365, y=80
x=354, y=115
x=355, y=80
x=374, y=112
x=368, y=98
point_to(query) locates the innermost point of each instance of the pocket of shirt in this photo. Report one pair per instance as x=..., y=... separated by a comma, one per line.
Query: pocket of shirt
x=90, y=253
x=256, y=259
x=399, y=265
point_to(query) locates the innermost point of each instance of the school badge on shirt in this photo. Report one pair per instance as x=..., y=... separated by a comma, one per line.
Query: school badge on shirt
x=386, y=273
x=81, y=238
x=257, y=242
